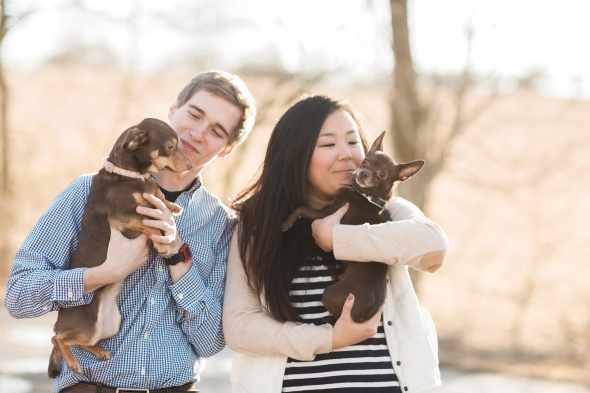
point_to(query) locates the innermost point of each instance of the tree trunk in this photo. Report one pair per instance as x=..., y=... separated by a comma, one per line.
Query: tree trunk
x=407, y=113
x=5, y=185
x=4, y=107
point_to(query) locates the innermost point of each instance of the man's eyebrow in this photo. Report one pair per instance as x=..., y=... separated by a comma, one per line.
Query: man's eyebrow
x=218, y=125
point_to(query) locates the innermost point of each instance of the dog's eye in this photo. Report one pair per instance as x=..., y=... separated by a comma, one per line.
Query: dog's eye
x=381, y=174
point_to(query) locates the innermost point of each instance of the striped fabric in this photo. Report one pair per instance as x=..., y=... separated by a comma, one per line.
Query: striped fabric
x=363, y=367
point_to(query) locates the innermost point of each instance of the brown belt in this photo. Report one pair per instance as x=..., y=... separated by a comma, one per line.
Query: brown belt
x=88, y=387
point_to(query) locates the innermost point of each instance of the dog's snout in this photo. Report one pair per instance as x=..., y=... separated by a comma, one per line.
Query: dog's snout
x=363, y=174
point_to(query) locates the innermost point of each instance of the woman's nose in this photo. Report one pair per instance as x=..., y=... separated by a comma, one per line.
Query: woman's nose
x=345, y=153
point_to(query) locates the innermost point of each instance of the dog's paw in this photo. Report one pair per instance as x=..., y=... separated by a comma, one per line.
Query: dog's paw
x=164, y=250
x=104, y=354
x=175, y=209
x=76, y=368
x=285, y=227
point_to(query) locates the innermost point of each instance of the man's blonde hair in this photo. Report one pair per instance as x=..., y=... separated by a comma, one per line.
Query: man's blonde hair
x=229, y=87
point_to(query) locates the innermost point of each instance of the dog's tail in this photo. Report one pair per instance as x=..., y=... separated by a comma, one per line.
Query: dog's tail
x=54, y=363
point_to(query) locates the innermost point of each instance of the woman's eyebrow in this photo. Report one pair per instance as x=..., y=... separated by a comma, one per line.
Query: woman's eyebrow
x=332, y=134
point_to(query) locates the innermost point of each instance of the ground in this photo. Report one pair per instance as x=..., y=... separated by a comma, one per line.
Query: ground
x=26, y=346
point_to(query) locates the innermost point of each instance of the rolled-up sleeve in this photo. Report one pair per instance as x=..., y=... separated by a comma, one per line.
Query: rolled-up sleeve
x=39, y=280
x=410, y=239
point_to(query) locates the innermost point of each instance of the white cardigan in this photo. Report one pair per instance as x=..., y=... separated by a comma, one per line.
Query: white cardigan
x=263, y=344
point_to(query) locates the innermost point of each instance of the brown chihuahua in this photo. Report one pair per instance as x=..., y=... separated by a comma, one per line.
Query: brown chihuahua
x=117, y=189
x=372, y=186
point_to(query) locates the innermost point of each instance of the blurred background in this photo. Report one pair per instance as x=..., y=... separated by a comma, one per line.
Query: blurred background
x=494, y=95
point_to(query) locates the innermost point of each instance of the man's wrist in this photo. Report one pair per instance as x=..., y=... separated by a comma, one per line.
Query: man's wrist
x=94, y=278
x=183, y=255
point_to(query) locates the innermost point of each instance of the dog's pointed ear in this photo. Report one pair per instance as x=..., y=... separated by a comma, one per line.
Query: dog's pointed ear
x=378, y=144
x=134, y=138
x=409, y=169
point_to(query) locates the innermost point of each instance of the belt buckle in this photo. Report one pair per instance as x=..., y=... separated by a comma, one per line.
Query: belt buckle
x=121, y=390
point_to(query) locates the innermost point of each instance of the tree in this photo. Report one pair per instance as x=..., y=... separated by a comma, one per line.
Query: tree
x=417, y=130
x=7, y=21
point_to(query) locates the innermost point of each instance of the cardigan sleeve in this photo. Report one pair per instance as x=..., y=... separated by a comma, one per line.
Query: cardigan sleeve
x=410, y=239
x=249, y=329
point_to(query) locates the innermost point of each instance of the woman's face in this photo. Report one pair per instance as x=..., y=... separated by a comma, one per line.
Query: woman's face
x=338, y=153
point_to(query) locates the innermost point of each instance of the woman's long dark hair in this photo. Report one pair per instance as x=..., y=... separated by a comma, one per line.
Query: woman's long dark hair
x=271, y=257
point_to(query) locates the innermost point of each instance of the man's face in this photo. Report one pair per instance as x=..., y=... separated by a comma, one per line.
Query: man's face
x=204, y=125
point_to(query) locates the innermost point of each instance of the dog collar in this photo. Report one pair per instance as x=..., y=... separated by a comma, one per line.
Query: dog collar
x=112, y=168
x=379, y=202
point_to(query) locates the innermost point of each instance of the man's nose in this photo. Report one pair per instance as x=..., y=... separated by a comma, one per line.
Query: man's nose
x=198, y=132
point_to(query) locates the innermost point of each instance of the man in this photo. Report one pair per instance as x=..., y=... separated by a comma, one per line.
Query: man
x=171, y=311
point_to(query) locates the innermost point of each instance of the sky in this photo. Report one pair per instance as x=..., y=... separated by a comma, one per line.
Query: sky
x=511, y=37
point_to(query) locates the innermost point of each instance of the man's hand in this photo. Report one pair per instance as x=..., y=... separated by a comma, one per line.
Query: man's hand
x=323, y=228
x=347, y=332
x=124, y=256
x=162, y=219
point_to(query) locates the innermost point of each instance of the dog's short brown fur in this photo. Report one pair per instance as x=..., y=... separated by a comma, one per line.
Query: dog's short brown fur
x=375, y=178
x=150, y=146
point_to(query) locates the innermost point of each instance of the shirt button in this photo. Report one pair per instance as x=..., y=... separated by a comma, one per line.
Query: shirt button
x=153, y=301
x=143, y=372
x=398, y=363
x=406, y=388
x=389, y=323
x=180, y=296
x=70, y=294
x=145, y=336
x=45, y=308
x=160, y=269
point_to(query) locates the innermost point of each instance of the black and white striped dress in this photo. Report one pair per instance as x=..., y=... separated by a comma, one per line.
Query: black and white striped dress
x=363, y=367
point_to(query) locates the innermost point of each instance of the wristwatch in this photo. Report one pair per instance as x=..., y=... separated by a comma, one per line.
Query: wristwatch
x=183, y=255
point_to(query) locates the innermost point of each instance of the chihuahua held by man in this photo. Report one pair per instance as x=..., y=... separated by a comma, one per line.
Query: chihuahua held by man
x=116, y=191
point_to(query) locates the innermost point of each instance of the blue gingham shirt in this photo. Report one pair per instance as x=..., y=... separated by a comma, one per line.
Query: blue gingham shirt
x=159, y=344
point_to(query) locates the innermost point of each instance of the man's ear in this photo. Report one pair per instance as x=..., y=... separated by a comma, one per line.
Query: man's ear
x=227, y=151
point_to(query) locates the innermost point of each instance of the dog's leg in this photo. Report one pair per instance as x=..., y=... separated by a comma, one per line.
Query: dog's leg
x=99, y=352
x=334, y=297
x=174, y=208
x=54, y=367
x=133, y=227
x=306, y=212
x=71, y=361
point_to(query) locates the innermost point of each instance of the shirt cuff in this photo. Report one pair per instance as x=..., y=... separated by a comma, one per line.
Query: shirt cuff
x=188, y=290
x=68, y=289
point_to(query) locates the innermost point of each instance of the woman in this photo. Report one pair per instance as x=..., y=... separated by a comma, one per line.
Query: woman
x=273, y=316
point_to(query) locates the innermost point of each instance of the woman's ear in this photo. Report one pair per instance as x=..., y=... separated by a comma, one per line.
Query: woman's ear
x=172, y=109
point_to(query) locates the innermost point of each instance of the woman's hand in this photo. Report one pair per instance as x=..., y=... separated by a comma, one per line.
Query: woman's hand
x=347, y=332
x=322, y=229
x=162, y=220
